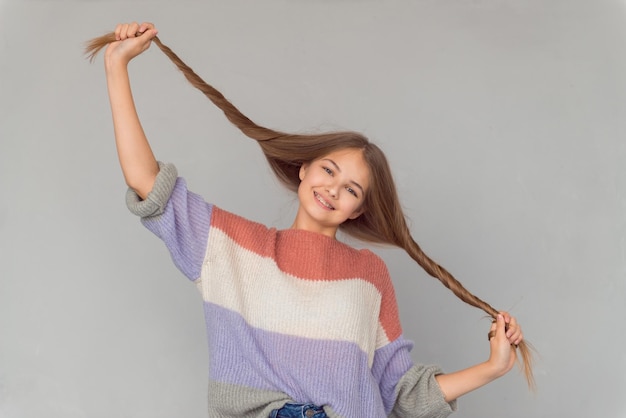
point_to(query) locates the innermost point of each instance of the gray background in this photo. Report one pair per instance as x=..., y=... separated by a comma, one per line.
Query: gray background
x=504, y=124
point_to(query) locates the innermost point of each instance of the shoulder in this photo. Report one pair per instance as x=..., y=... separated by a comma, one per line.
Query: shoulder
x=367, y=265
x=373, y=261
x=244, y=232
x=231, y=221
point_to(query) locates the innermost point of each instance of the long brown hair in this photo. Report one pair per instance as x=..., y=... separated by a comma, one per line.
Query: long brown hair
x=383, y=220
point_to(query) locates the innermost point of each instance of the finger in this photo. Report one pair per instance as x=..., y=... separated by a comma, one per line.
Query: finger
x=150, y=33
x=129, y=31
x=502, y=329
x=145, y=26
x=507, y=317
x=512, y=331
x=518, y=336
x=511, y=327
x=123, y=30
x=117, y=31
x=133, y=28
x=515, y=336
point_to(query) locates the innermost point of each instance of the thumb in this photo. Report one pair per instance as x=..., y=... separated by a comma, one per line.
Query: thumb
x=140, y=43
x=149, y=33
x=146, y=36
x=500, y=325
x=146, y=31
x=498, y=328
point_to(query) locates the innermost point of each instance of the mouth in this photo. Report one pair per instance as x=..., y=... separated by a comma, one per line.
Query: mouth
x=323, y=202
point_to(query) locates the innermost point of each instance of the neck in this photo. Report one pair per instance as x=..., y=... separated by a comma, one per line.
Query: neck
x=308, y=225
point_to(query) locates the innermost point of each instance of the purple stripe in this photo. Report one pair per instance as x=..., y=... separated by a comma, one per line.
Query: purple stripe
x=184, y=227
x=391, y=362
x=307, y=370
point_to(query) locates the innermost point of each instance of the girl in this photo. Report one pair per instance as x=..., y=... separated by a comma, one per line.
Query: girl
x=299, y=324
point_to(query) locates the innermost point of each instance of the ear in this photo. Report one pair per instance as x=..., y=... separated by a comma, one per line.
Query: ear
x=302, y=171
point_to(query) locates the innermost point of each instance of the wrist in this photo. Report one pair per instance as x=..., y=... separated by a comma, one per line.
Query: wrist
x=494, y=369
x=114, y=65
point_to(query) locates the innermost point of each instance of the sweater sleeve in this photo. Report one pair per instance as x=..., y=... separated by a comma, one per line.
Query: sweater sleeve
x=177, y=216
x=407, y=390
x=419, y=395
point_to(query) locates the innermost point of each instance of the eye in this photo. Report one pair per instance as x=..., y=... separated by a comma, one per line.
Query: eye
x=352, y=191
x=328, y=170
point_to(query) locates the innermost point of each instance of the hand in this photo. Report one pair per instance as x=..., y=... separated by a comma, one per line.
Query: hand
x=132, y=40
x=508, y=334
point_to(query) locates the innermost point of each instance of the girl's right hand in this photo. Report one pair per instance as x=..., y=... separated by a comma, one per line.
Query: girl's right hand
x=132, y=40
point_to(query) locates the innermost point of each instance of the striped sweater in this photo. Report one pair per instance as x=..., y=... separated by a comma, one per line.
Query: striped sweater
x=291, y=315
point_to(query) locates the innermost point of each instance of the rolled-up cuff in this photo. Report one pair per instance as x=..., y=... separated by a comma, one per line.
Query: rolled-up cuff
x=154, y=203
x=419, y=395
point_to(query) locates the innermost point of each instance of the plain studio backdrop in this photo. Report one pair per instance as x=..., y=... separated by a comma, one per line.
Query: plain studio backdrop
x=504, y=122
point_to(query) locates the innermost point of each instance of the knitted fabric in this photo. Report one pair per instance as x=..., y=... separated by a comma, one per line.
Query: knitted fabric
x=291, y=315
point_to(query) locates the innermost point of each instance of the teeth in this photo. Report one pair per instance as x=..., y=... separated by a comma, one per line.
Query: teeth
x=323, y=202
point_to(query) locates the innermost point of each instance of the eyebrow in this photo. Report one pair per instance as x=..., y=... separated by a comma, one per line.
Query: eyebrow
x=339, y=169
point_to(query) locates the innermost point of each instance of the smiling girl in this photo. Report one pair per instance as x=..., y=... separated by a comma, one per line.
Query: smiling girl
x=299, y=323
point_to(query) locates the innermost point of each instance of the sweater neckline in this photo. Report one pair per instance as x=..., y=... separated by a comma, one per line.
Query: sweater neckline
x=312, y=234
x=312, y=237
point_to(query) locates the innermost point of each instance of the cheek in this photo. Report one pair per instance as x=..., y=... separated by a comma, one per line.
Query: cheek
x=354, y=206
x=301, y=187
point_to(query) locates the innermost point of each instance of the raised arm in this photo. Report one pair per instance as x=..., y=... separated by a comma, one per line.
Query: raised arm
x=135, y=155
x=506, y=334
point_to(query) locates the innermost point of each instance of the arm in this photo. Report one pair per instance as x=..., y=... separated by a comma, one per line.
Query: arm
x=501, y=360
x=135, y=155
x=179, y=217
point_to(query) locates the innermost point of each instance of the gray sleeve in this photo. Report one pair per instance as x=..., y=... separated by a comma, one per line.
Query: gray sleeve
x=155, y=202
x=419, y=395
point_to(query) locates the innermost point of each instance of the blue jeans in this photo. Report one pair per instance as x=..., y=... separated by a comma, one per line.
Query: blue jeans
x=292, y=410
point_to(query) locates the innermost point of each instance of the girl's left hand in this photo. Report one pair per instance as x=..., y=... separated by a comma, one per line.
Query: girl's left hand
x=513, y=329
x=507, y=334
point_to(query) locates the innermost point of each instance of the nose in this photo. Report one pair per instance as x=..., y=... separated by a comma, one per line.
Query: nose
x=332, y=191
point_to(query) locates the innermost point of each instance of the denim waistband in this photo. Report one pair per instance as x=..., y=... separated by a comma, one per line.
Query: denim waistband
x=293, y=410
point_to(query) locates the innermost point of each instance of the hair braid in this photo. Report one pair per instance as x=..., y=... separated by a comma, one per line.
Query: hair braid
x=383, y=220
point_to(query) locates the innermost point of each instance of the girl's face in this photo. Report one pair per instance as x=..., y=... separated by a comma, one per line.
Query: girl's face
x=332, y=189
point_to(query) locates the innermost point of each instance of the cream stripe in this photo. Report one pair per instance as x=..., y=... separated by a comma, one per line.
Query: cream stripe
x=267, y=298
